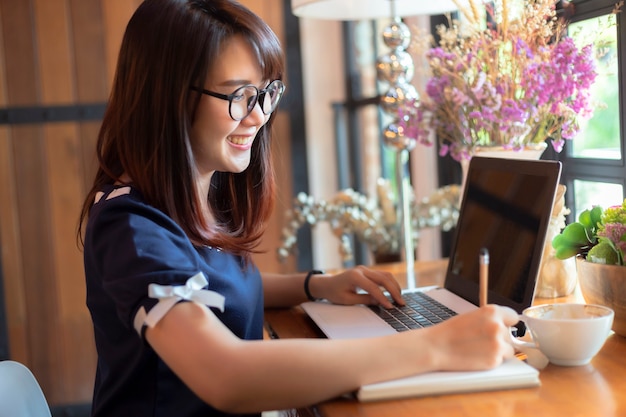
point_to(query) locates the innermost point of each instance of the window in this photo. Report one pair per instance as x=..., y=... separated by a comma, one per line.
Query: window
x=593, y=162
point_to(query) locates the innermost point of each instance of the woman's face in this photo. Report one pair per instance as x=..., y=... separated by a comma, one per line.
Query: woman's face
x=220, y=143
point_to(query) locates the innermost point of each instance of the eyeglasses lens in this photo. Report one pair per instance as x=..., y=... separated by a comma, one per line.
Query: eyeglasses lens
x=245, y=98
x=271, y=97
x=242, y=102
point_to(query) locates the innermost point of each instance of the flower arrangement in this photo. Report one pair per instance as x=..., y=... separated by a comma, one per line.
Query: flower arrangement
x=598, y=235
x=505, y=75
x=372, y=220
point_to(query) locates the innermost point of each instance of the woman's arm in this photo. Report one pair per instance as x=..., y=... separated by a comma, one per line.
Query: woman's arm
x=284, y=290
x=250, y=376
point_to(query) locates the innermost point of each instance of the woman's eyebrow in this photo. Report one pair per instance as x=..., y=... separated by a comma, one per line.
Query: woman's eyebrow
x=239, y=83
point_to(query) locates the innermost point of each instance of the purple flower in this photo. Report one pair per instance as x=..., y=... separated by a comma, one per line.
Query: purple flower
x=616, y=233
x=444, y=149
x=506, y=88
x=557, y=144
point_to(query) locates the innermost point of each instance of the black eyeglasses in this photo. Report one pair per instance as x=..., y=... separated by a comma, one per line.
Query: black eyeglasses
x=242, y=101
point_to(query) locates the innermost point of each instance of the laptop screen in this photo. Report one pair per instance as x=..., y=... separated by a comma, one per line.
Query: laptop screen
x=506, y=208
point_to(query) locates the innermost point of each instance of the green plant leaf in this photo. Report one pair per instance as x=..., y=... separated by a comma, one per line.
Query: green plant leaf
x=558, y=241
x=604, y=252
x=565, y=252
x=575, y=234
x=585, y=218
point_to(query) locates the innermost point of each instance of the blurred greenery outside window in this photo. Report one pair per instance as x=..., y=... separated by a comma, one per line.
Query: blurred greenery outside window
x=600, y=136
x=598, y=146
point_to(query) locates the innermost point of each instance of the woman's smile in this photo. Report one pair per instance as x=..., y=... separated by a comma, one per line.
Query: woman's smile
x=241, y=142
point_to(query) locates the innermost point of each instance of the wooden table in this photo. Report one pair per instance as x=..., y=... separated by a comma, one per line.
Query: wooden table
x=594, y=390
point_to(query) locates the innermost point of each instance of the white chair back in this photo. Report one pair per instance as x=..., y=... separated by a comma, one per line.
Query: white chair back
x=20, y=393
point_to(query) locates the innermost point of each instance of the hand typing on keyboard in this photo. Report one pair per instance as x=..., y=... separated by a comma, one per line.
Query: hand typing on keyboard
x=419, y=311
x=359, y=285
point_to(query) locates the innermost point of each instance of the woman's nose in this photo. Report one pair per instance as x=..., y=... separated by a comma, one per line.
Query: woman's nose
x=256, y=116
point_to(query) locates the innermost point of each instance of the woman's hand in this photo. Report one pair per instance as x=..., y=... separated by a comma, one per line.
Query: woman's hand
x=359, y=285
x=480, y=339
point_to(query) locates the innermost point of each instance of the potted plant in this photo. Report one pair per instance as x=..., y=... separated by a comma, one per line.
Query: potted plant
x=598, y=240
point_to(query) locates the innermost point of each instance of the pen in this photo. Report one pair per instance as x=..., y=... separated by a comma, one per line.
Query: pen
x=483, y=284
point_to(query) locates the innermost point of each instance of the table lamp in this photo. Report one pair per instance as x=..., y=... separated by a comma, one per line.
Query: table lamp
x=396, y=69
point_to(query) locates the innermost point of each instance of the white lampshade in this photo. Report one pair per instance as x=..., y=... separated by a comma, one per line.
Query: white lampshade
x=368, y=9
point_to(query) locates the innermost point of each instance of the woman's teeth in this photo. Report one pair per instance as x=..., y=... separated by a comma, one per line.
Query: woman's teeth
x=239, y=140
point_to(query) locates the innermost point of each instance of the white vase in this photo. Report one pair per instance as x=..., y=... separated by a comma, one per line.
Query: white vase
x=528, y=152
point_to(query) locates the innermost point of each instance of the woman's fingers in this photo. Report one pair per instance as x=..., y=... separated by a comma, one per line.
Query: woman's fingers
x=362, y=285
x=476, y=340
x=375, y=283
x=387, y=281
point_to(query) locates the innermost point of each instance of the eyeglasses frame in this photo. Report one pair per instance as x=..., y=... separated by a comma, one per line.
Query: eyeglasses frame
x=231, y=96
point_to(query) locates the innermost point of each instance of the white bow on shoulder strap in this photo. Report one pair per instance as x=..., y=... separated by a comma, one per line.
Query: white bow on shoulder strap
x=169, y=295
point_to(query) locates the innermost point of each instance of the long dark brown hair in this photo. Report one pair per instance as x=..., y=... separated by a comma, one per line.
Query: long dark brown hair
x=168, y=46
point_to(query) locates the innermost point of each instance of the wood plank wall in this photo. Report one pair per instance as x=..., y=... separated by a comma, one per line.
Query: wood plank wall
x=63, y=52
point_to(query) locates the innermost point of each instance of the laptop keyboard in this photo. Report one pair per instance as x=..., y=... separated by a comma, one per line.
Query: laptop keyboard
x=420, y=311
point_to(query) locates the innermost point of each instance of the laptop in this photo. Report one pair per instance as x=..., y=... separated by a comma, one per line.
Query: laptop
x=506, y=208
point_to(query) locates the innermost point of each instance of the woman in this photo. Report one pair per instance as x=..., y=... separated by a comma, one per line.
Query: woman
x=181, y=196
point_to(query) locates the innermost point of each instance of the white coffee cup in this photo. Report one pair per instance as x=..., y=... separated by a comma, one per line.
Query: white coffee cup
x=567, y=334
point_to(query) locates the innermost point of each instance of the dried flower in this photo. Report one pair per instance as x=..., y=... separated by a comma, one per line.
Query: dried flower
x=505, y=75
x=372, y=221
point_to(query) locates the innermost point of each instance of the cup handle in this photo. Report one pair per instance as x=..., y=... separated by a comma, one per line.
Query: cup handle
x=521, y=344
x=534, y=356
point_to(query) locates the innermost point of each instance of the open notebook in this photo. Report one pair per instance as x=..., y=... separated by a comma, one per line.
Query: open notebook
x=506, y=208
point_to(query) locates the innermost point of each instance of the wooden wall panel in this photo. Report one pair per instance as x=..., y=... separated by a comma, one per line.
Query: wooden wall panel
x=116, y=15
x=36, y=288
x=17, y=32
x=72, y=317
x=35, y=237
x=61, y=149
x=15, y=305
x=53, y=55
x=53, y=50
x=89, y=53
x=88, y=37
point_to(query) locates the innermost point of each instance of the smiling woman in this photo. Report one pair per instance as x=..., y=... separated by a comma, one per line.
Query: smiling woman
x=181, y=199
